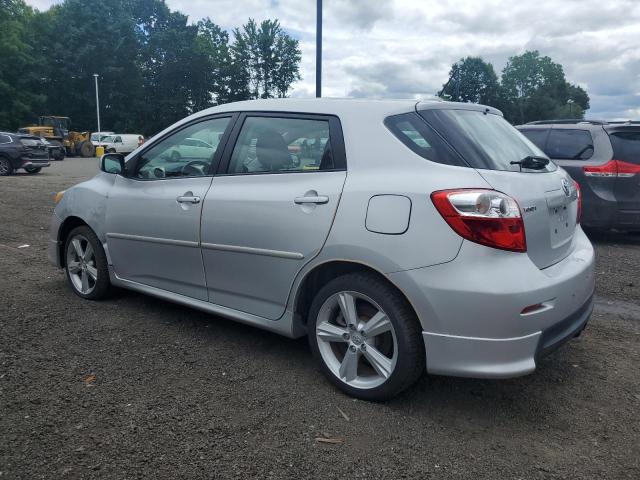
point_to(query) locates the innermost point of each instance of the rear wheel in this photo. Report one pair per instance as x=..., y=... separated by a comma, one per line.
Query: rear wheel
x=366, y=337
x=86, y=264
x=32, y=170
x=5, y=167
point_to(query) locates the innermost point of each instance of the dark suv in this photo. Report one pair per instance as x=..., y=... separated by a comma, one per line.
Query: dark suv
x=604, y=158
x=22, y=151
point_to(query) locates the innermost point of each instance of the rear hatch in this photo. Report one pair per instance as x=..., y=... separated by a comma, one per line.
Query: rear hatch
x=625, y=141
x=547, y=197
x=34, y=148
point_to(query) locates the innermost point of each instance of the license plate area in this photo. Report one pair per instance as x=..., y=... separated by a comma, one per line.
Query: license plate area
x=562, y=218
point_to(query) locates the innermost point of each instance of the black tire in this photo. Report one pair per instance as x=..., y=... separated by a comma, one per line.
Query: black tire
x=102, y=286
x=111, y=150
x=87, y=149
x=5, y=167
x=410, y=363
x=32, y=170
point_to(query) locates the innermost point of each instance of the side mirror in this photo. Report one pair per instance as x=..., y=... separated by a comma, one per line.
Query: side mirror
x=112, y=163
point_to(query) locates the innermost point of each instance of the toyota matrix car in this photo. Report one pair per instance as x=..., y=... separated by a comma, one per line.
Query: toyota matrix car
x=420, y=236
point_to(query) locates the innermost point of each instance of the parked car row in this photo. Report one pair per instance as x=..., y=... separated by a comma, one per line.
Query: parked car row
x=604, y=158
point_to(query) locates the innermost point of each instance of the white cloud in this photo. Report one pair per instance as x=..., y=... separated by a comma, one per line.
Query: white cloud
x=405, y=48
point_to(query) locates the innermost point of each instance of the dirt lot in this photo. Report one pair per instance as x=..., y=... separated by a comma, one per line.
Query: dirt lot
x=135, y=387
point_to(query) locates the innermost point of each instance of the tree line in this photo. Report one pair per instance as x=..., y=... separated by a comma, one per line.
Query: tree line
x=531, y=87
x=154, y=66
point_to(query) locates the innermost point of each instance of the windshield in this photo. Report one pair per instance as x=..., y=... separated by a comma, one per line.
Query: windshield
x=486, y=141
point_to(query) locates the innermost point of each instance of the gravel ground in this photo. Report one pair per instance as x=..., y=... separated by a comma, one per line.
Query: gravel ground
x=135, y=387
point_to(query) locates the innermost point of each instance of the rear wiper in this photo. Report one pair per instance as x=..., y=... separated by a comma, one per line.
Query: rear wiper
x=532, y=162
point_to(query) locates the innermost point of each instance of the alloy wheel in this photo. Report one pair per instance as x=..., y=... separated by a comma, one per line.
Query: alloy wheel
x=356, y=339
x=4, y=166
x=81, y=264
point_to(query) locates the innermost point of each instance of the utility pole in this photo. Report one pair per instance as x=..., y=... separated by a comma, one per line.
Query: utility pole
x=95, y=76
x=319, y=49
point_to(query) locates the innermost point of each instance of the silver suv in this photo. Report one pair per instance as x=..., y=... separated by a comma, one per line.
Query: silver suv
x=399, y=236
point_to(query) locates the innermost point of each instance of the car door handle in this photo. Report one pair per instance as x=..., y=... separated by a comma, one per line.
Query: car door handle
x=317, y=199
x=188, y=199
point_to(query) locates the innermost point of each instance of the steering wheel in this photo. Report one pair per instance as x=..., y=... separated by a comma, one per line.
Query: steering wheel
x=195, y=168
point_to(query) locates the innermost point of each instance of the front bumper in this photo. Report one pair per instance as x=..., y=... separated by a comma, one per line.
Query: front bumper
x=471, y=308
x=53, y=249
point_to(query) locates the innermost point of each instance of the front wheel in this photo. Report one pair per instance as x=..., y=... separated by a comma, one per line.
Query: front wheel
x=366, y=337
x=32, y=170
x=86, y=264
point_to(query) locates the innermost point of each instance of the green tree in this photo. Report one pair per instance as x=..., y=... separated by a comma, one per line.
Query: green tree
x=20, y=72
x=535, y=88
x=472, y=80
x=268, y=56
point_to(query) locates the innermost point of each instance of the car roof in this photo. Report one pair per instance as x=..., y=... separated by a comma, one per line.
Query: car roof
x=328, y=106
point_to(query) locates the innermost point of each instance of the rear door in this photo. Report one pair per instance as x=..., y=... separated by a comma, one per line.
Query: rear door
x=547, y=197
x=270, y=208
x=626, y=152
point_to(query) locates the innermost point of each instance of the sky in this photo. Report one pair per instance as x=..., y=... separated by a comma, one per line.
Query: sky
x=405, y=48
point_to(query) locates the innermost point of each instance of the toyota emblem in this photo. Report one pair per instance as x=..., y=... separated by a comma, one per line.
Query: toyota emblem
x=566, y=188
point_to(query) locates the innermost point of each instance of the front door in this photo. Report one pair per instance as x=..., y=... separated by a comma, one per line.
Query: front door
x=153, y=214
x=270, y=208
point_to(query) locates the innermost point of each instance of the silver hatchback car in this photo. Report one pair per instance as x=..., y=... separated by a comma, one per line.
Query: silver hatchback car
x=400, y=236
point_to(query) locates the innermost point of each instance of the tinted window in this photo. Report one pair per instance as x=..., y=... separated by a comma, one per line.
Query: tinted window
x=570, y=144
x=485, y=140
x=538, y=137
x=29, y=142
x=268, y=144
x=626, y=146
x=419, y=137
x=176, y=155
x=5, y=139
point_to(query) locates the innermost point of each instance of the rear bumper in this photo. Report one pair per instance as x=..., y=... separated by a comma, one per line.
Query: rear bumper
x=470, y=308
x=34, y=162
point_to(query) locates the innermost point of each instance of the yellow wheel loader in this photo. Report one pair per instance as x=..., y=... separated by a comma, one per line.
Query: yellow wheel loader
x=56, y=130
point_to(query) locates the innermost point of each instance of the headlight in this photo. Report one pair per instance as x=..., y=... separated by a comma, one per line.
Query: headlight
x=58, y=196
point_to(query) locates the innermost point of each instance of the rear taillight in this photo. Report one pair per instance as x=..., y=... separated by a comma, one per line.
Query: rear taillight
x=613, y=168
x=486, y=217
x=579, y=199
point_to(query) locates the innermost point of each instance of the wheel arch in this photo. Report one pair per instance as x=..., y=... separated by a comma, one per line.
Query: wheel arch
x=65, y=229
x=321, y=274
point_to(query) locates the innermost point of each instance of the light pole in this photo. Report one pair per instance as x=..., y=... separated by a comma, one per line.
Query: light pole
x=570, y=102
x=319, y=49
x=95, y=75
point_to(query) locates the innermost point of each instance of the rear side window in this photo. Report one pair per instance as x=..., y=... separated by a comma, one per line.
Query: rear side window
x=538, y=136
x=570, y=144
x=5, y=139
x=485, y=140
x=411, y=130
x=279, y=145
x=626, y=146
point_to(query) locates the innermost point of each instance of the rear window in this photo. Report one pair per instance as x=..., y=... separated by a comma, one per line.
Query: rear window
x=29, y=142
x=626, y=146
x=485, y=140
x=538, y=136
x=568, y=144
x=411, y=130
